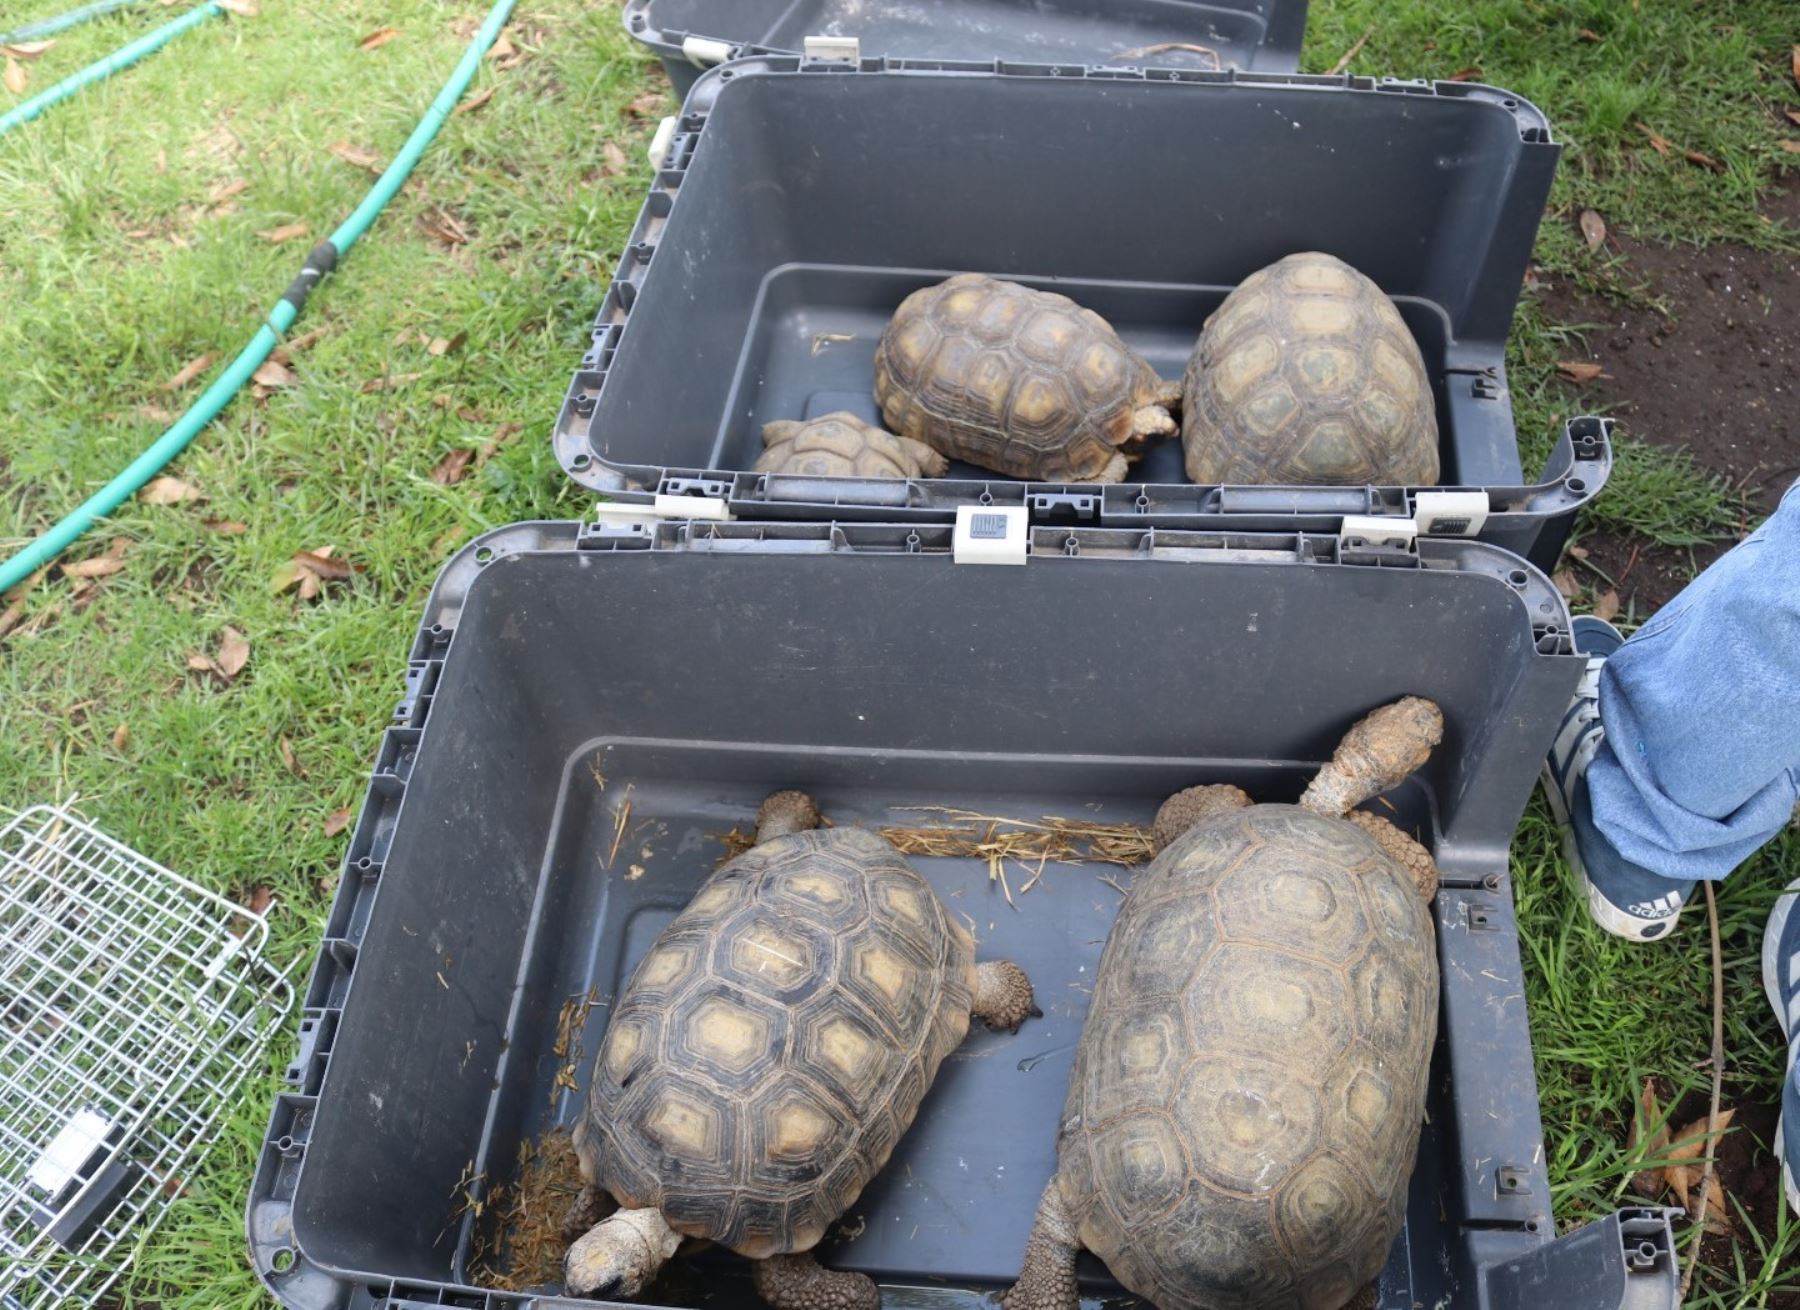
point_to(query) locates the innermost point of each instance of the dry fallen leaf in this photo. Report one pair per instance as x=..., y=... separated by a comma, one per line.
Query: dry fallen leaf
x=169, y=491
x=242, y=8
x=447, y=345
x=289, y=760
x=1578, y=370
x=287, y=577
x=1648, y=1183
x=1465, y=74
x=1606, y=605
x=356, y=155
x=286, y=232
x=26, y=49
x=336, y=822
x=1703, y=160
x=390, y=383
x=502, y=48
x=1794, y=67
x=234, y=653
x=284, y=353
x=321, y=564
x=451, y=468
x=226, y=190
x=378, y=38
x=1589, y=35
x=1658, y=142
x=121, y=736
x=188, y=372
x=502, y=434
x=202, y=664
x=1792, y=147
x=443, y=227
x=261, y=896
x=310, y=586
x=15, y=78
x=273, y=373
x=1593, y=229
x=473, y=102
x=226, y=526
x=612, y=155
x=1566, y=584
x=647, y=105
x=101, y=566
x=1793, y=116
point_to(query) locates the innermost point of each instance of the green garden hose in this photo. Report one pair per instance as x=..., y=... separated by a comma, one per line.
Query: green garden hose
x=322, y=260
x=124, y=57
x=49, y=26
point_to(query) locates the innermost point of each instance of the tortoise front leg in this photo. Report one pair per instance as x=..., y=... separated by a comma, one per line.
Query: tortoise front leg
x=1047, y=1280
x=799, y=1282
x=1003, y=995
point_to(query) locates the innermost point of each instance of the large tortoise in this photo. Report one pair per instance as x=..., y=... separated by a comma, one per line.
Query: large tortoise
x=1024, y=382
x=841, y=445
x=1306, y=374
x=768, y=1053
x=1243, y=1115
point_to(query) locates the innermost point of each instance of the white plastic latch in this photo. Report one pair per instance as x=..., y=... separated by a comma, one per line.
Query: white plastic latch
x=614, y=514
x=833, y=49
x=704, y=52
x=990, y=534
x=659, y=144
x=1377, y=532
x=1450, y=513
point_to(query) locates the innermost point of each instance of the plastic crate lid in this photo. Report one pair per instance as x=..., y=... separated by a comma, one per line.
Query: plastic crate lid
x=1247, y=34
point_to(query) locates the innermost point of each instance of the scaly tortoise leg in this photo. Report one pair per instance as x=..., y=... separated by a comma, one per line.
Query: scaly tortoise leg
x=1047, y=1278
x=1003, y=995
x=799, y=1282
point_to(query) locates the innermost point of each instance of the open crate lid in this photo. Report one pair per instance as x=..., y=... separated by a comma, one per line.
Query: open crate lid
x=1204, y=34
x=799, y=202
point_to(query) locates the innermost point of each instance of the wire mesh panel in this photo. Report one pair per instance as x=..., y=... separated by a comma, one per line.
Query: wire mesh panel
x=133, y=1003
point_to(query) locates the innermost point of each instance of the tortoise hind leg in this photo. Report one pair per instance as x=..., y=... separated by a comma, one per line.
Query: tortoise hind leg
x=590, y=1207
x=1047, y=1280
x=1003, y=995
x=799, y=1282
x=1401, y=849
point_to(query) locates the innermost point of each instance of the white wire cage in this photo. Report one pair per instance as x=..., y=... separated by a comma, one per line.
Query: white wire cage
x=133, y=1005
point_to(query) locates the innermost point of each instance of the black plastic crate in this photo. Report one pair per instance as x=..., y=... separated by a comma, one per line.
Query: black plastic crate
x=692, y=35
x=695, y=666
x=799, y=205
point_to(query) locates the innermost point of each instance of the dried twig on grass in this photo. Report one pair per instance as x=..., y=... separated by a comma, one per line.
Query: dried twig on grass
x=1355, y=50
x=1712, y=1109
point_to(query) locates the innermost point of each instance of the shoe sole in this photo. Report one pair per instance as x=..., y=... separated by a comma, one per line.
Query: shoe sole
x=1771, y=972
x=1608, y=916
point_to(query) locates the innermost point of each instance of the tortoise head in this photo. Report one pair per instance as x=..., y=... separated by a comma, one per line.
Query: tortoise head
x=785, y=812
x=1376, y=755
x=619, y=1256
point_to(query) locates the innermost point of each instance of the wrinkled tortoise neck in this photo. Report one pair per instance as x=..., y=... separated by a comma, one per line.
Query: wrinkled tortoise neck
x=1378, y=754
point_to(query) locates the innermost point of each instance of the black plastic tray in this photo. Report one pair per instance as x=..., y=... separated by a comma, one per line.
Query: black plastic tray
x=799, y=204
x=691, y=35
x=695, y=666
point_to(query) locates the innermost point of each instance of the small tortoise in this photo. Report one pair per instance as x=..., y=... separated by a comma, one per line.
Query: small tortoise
x=1307, y=375
x=766, y=1056
x=1024, y=382
x=840, y=445
x=1244, y=1110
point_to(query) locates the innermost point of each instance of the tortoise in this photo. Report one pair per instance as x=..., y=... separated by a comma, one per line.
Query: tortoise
x=841, y=445
x=1024, y=382
x=767, y=1054
x=1244, y=1108
x=1306, y=374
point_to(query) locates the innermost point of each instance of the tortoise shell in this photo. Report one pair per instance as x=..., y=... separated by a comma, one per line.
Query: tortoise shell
x=1245, y=1106
x=776, y=1041
x=1024, y=382
x=840, y=445
x=1307, y=375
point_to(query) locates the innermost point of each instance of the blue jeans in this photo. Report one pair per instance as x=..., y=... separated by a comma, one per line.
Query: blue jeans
x=1702, y=714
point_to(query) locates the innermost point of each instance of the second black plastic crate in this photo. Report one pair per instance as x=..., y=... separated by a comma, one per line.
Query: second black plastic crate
x=801, y=203
x=590, y=708
x=691, y=35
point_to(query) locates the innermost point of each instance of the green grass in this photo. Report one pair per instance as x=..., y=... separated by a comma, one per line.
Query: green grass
x=115, y=271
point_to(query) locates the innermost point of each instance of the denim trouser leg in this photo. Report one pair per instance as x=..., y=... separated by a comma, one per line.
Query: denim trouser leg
x=1702, y=714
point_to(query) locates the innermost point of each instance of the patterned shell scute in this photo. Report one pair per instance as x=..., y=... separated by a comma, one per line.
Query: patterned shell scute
x=1245, y=1108
x=1306, y=374
x=840, y=445
x=1022, y=381
x=775, y=1042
